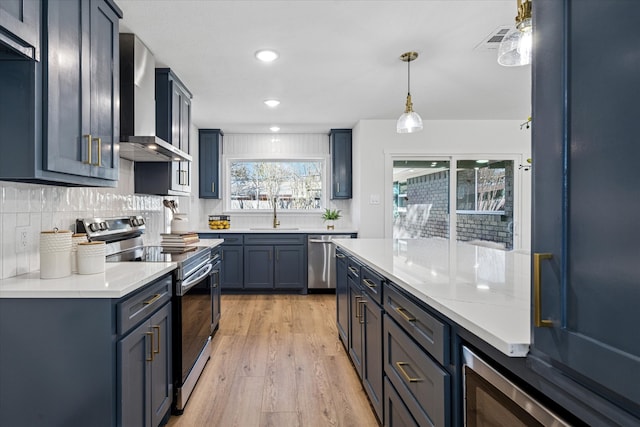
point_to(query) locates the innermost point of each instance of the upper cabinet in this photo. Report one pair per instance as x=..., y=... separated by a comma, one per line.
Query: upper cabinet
x=585, y=197
x=173, y=124
x=341, y=183
x=62, y=126
x=210, y=144
x=20, y=26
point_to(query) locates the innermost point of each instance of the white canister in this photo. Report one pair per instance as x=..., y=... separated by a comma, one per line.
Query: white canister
x=55, y=254
x=180, y=223
x=91, y=257
x=75, y=239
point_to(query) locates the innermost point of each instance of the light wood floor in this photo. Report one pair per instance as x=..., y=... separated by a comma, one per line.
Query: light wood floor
x=277, y=361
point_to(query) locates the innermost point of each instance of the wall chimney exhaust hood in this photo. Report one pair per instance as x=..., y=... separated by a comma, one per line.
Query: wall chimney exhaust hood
x=138, y=109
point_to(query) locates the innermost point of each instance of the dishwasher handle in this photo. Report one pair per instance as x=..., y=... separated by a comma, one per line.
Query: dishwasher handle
x=320, y=241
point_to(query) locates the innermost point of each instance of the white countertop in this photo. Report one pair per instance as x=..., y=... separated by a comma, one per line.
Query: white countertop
x=118, y=280
x=280, y=230
x=484, y=290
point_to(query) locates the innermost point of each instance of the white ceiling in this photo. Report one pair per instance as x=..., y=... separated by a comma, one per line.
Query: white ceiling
x=339, y=60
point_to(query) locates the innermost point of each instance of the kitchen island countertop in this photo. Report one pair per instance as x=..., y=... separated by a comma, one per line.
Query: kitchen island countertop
x=484, y=290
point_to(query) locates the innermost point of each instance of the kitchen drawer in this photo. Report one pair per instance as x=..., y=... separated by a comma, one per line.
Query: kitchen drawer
x=428, y=331
x=372, y=283
x=353, y=267
x=231, y=239
x=275, y=239
x=423, y=385
x=396, y=412
x=136, y=308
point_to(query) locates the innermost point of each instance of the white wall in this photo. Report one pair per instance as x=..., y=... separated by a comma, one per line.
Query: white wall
x=375, y=139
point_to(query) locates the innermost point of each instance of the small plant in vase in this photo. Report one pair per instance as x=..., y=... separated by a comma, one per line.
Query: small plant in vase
x=329, y=216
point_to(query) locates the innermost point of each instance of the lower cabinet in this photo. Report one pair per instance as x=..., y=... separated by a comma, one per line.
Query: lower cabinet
x=274, y=267
x=342, y=297
x=97, y=362
x=396, y=412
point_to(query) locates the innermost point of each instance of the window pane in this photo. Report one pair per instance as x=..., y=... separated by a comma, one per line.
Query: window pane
x=295, y=184
x=484, y=202
x=420, y=199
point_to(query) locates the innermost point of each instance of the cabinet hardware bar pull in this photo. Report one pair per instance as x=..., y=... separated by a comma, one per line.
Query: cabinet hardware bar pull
x=369, y=283
x=155, y=298
x=537, y=291
x=150, y=358
x=338, y=188
x=99, y=152
x=340, y=256
x=157, y=328
x=89, y=141
x=358, y=306
x=363, y=302
x=353, y=270
x=400, y=366
x=403, y=312
x=213, y=187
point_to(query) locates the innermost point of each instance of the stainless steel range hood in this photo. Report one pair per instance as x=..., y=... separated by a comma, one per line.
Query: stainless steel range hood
x=137, y=106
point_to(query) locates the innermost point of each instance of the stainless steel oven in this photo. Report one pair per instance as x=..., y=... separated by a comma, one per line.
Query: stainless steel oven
x=490, y=399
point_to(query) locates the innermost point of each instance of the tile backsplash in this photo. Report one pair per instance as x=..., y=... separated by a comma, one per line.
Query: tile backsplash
x=28, y=209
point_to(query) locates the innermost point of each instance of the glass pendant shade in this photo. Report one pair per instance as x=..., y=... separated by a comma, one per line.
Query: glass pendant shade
x=515, y=49
x=409, y=121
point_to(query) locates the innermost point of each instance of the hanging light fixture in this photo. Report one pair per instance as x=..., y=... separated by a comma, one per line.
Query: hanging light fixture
x=409, y=121
x=515, y=48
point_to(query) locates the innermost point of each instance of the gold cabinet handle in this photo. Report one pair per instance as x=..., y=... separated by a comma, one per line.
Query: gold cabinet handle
x=400, y=366
x=99, y=152
x=353, y=270
x=403, y=312
x=150, y=358
x=338, y=190
x=157, y=329
x=89, y=142
x=369, y=283
x=213, y=187
x=153, y=299
x=537, y=291
x=363, y=302
x=358, y=306
x=340, y=256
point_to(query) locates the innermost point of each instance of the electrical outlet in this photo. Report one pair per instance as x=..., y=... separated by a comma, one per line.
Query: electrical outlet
x=23, y=239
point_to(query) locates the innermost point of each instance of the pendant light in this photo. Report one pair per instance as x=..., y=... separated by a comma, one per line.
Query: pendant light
x=409, y=121
x=515, y=48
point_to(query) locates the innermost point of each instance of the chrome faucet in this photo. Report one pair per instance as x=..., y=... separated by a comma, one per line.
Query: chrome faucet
x=276, y=223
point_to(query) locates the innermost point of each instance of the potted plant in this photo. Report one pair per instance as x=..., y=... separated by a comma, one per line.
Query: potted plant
x=331, y=215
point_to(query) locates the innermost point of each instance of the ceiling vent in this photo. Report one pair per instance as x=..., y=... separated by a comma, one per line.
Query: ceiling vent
x=492, y=41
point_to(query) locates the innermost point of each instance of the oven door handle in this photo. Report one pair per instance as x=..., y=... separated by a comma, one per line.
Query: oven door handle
x=195, y=278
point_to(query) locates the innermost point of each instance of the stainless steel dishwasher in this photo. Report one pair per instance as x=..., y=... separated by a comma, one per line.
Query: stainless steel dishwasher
x=322, y=260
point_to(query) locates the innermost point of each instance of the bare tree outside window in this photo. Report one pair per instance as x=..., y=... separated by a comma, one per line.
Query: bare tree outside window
x=296, y=185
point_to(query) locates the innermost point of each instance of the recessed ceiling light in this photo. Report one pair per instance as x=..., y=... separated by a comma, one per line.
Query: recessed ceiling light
x=266, y=55
x=274, y=128
x=272, y=102
x=482, y=161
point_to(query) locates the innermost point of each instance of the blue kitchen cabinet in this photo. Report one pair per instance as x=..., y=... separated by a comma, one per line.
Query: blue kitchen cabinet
x=173, y=124
x=231, y=276
x=355, y=327
x=258, y=267
x=585, y=199
x=20, y=26
x=210, y=144
x=63, y=127
x=341, y=167
x=342, y=297
x=289, y=267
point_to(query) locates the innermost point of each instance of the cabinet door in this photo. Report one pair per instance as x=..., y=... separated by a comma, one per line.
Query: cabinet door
x=104, y=91
x=342, y=297
x=258, y=267
x=21, y=18
x=231, y=274
x=372, y=364
x=355, y=326
x=584, y=153
x=161, y=378
x=341, y=181
x=290, y=267
x=215, y=297
x=209, y=162
x=134, y=355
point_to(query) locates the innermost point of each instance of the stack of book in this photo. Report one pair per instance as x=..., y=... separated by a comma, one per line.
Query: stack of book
x=178, y=241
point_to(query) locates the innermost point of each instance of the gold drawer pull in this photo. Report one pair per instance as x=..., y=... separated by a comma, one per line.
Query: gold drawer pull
x=353, y=270
x=150, y=358
x=155, y=298
x=340, y=256
x=369, y=283
x=400, y=366
x=403, y=312
x=537, y=291
x=157, y=328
